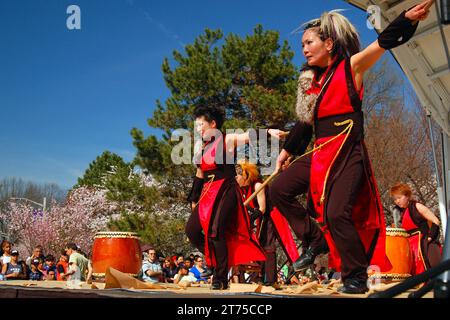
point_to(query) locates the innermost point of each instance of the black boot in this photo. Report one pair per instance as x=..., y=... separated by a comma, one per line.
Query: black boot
x=307, y=258
x=354, y=286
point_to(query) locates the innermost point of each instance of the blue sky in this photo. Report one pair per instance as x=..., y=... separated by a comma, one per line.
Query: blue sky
x=68, y=95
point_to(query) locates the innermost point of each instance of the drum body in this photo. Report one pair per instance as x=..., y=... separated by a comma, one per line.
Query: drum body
x=399, y=253
x=119, y=250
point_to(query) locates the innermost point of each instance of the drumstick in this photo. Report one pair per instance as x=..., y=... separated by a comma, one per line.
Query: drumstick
x=428, y=5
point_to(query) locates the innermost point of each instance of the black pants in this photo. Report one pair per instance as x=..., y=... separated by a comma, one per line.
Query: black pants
x=223, y=211
x=338, y=215
x=292, y=182
x=338, y=212
x=267, y=240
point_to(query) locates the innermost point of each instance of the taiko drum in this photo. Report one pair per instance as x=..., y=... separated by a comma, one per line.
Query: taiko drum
x=399, y=253
x=119, y=250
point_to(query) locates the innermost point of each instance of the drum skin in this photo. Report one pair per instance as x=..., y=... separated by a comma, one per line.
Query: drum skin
x=119, y=250
x=399, y=254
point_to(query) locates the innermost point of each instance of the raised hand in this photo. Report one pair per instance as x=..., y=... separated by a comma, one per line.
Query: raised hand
x=419, y=12
x=287, y=163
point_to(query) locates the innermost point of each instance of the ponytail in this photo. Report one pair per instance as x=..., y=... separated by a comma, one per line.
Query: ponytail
x=333, y=25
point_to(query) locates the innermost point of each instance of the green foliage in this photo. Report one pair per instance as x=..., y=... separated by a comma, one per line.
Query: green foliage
x=126, y=187
x=99, y=168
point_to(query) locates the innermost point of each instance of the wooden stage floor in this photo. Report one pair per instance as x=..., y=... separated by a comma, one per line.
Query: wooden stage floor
x=59, y=289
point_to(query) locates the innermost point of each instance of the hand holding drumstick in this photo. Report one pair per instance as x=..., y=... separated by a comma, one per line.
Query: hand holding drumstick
x=419, y=12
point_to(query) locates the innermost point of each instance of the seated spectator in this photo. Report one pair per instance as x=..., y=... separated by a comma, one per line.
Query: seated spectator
x=41, y=267
x=49, y=264
x=78, y=264
x=6, y=252
x=188, y=263
x=198, y=269
x=35, y=273
x=184, y=275
x=14, y=269
x=38, y=253
x=51, y=275
x=179, y=262
x=62, y=267
x=192, y=257
x=169, y=270
x=151, y=268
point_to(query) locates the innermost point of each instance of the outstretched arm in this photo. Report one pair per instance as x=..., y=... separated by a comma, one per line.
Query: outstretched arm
x=397, y=33
x=238, y=139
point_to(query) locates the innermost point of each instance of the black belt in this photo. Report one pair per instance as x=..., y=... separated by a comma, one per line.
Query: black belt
x=325, y=127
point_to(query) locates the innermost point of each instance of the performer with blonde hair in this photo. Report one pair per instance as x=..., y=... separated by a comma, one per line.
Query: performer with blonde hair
x=270, y=224
x=343, y=194
x=423, y=227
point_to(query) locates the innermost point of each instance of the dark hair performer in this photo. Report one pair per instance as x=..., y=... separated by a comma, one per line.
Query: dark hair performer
x=219, y=225
x=343, y=194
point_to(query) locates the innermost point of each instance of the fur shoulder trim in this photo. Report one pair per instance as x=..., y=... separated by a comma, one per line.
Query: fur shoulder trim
x=305, y=102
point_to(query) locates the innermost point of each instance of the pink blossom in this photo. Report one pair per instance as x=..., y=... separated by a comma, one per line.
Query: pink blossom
x=85, y=212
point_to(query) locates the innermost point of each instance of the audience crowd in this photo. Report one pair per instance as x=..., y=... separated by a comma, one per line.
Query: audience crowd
x=72, y=264
x=178, y=269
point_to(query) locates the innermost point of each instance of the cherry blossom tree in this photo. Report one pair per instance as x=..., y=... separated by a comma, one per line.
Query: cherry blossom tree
x=85, y=212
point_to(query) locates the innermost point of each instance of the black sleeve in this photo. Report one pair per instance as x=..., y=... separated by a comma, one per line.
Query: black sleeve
x=196, y=190
x=397, y=32
x=298, y=139
x=434, y=232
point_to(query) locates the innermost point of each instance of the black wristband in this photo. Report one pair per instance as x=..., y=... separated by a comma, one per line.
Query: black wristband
x=196, y=190
x=298, y=139
x=254, y=214
x=397, y=32
x=434, y=232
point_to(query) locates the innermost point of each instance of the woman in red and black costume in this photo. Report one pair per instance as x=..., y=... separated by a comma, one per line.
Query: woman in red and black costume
x=270, y=224
x=423, y=227
x=219, y=225
x=343, y=194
